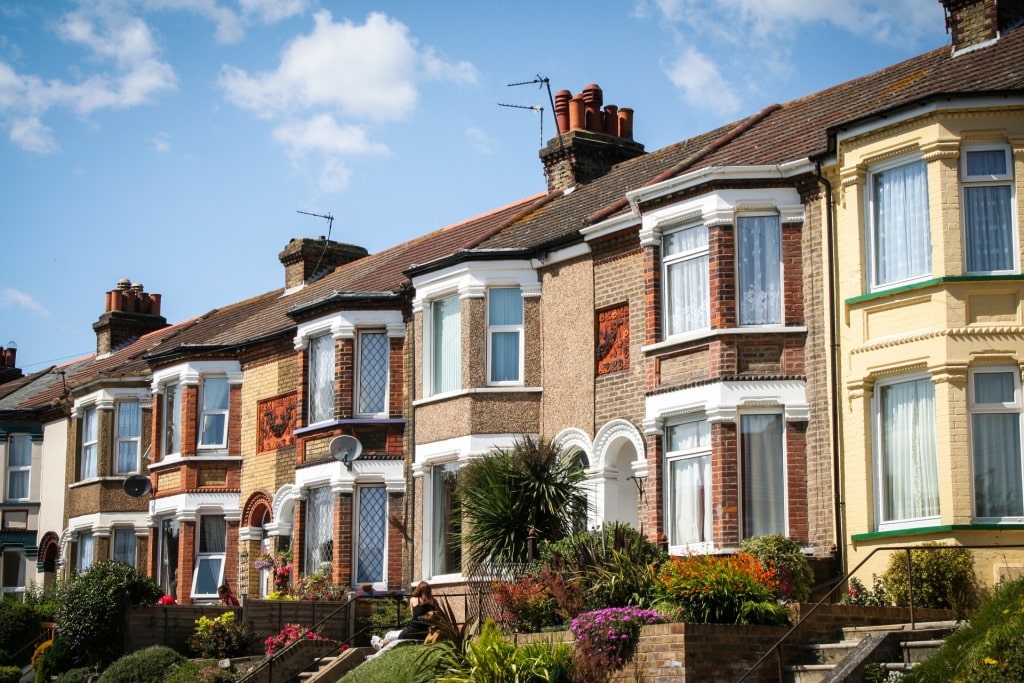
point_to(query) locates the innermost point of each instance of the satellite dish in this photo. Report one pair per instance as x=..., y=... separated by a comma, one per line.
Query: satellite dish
x=137, y=485
x=345, y=449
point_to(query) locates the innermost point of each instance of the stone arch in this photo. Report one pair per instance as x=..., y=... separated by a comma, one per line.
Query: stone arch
x=283, y=507
x=620, y=465
x=49, y=552
x=258, y=504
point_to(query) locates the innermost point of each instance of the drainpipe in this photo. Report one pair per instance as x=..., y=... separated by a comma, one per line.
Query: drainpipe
x=833, y=316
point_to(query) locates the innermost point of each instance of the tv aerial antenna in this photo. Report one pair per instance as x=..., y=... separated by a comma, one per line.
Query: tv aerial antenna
x=537, y=108
x=330, y=224
x=541, y=81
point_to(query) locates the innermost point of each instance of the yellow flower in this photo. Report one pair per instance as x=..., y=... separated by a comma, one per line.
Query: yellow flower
x=990, y=661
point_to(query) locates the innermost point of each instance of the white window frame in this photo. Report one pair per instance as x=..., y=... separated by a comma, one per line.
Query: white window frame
x=700, y=455
x=89, y=452
x=432, y=358
x=1014, y=407
x=361, y=380
x=205, y=557
x=493, y=330
x=17, y=587
x=701, y=252
x=207, y=412
x=319, y=412
x=884, y=522
x=357, y=538
x=747, y=479
x=85, y=551
x=314, y=555
x=871, y=237
x=438, y=531
x=121, y=439
x=995, y=180
x=13, y=469
x=171, y=422
x=124, y=532
x=778, y=296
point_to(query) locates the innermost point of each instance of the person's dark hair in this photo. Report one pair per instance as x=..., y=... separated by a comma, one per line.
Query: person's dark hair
x=223, y=588
x=423, y=594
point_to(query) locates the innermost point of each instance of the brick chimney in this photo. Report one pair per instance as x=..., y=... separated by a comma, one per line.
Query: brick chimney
x=306, y=259
x=130, y=313
x=974, y=23
x=8, y=369
x=592, y=137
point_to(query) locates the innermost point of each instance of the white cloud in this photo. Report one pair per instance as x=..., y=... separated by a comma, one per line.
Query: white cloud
x=323, y=134
x=368, y=71
x=162, y=142
x=481, y=141
x=334, y=176
x=30, y=134
x=12, y=298
x=269, y=11
x=701, y=82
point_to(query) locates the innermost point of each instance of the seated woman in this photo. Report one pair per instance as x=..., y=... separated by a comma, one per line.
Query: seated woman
x=421, y=604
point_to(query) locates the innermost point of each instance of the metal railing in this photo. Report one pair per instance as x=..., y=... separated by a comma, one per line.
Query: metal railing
x=776, y=649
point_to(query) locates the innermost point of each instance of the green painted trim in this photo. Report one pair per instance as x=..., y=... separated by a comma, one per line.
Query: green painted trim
x=949, y=279
x=939, y=529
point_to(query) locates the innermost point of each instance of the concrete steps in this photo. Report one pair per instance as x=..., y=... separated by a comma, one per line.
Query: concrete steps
x=897, y=647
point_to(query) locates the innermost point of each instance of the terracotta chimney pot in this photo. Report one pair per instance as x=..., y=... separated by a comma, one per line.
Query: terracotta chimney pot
x=562, y=99
x=611, y=119
x=626, y=123
x=576, y=114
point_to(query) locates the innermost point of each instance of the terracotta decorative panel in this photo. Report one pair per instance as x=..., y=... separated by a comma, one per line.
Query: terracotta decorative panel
x=277, y=423
x=613, y=339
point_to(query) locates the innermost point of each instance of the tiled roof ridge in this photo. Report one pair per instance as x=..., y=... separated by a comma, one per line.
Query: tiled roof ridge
x=539, y=200
x=736, y=131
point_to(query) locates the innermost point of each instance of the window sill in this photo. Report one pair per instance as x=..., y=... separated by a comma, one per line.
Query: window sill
x=332, y=424
x=931, y=282
x=177, y=460
x=481, y=390
x=936, y=529
x=721, y=332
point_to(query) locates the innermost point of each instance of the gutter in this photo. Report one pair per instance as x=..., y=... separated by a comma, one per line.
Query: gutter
x=833, y=317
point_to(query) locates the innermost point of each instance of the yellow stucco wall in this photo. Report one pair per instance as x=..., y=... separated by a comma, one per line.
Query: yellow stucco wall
x=942, y=326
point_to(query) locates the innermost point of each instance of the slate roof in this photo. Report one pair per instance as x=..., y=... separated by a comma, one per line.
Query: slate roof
x=796, y=130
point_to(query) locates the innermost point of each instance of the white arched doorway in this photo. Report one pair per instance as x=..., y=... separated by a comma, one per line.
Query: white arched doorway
x=619, y=472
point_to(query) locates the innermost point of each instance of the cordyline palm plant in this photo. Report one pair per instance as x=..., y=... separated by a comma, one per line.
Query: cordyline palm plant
x=508, y=492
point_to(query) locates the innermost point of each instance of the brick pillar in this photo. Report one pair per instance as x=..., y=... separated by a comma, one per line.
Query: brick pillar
x=656, y=486
x=395, y=540
x=796, y=481
x=189, y=418
x=344, y=374
x=343, y=551
x=298, y=540
x=186, y=560
x=725, y=484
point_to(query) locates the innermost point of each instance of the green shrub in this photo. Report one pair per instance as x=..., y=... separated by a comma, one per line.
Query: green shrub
x=318, y=587
x=491, y=659
x=859, y=594
x=10, y=674
x=792, y=569
x=943, y=579
x=79, y=675
x=44, y=600
x=713, y=589
x=526, y=606
x=386, y=613
x=94, y=606
x=56, y=659
x=205, y=670
x=19, y=627
x=221, y=637
x=986, y=649
x=144, y=666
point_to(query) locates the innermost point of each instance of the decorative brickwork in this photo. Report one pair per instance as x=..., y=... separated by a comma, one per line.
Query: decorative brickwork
x=613, y=339
x=276, y=422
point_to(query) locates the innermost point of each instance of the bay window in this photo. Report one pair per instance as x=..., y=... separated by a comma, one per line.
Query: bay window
x=319, y=555
x=989, y=234
x=90, y=444
x=129, y=433
x=687, y=299
x=446, y=518
x=171, y=406
x=763, y=470
x=759, y=270
x=372, y=534
x=86, y=551
x=212, y=543
x=372, y=376
x=504, y=334
x=908, y=481
x=445, y=344
x=19, y=466
x=689, y=500
x=900, y=232
x=995, y=409
x=124, y=546
x=213, y=421
x=321, y=379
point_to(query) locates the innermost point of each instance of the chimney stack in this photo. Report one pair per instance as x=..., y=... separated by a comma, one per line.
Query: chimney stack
x=130, y=313
x=975, y=23
x=592, y=137
x=8, y=367
x=306, y=259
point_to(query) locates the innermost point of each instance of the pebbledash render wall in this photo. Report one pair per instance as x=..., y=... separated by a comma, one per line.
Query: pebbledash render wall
x=567, y=350
x=941, y=327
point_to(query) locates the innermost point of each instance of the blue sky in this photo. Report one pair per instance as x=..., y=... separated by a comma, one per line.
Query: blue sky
x=173, y=142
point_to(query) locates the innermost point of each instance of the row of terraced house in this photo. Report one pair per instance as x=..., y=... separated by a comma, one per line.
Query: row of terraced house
x=808, y=322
